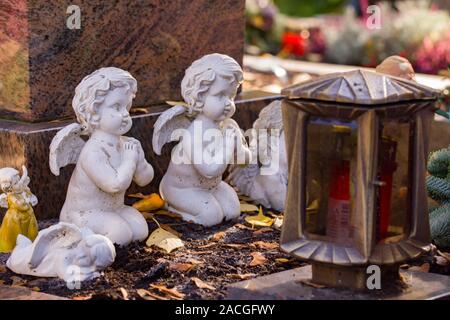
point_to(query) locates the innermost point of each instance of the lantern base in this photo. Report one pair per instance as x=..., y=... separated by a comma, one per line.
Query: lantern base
x=350, y=276
x=296, y=284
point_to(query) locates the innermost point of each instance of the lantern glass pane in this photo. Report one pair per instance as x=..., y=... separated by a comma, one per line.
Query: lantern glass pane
x=394, y=176
x=330, y=178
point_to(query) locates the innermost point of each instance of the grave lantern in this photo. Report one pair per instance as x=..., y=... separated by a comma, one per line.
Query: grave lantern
x=357, y=145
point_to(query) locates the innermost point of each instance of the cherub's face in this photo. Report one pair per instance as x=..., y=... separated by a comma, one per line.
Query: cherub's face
x=219, y=100
x=114, y=112
x=83, y=257
x=7, y=185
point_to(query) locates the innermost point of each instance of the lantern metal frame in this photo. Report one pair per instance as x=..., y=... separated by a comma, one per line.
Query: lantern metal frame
x=368, y=98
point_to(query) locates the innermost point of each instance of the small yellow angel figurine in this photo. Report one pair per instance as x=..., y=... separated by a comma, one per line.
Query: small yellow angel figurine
x=18, y=199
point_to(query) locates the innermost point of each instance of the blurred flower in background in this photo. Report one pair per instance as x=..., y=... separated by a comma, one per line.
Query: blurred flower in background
x=336, y=31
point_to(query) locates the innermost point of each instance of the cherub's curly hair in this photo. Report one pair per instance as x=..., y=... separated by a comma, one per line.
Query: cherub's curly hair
x=91, y=92
x=202, y=73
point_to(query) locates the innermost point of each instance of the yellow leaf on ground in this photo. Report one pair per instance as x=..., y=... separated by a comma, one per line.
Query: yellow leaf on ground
x=265, y=245
x=217, y=236
x=278, y=223
x=147, y=295
x=241, y=276
x=151, y=202
x=262, y=230
x=176, y=103
x=174, y=293
x=423, y=268
x=201, y=284
x=164, y=240
x=282, y=260
x=124, y=293
x=258, y=259
x=246, y=207
x=170, y=229
x=233, y=245
x=259, y=220
x=80, y=298
x=182, y=267
x=17, y=281
x=167, y=214
x=137, y=195
x=446, y=255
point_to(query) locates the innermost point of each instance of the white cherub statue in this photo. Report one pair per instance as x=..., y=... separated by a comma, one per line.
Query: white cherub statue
x=210, y=140
x=265, y=180
x=107, y=163
x=64, y=251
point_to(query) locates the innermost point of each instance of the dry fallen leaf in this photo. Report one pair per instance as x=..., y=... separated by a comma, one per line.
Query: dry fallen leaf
x=17, y=281
x=170, y=229
x=241, y=276
x=201, y=284
x=262, y=230
x=258, y=259
x=446, y=255
x=278, y=223
x=167, y=214
x=174, y=293
x=3, y=269
x=311, y=284
x=233, y=245
x=151, y=202
x=244, y=198
x=164, y=240
x=246, y=207
x=423, y=268
x=176, y=103
x=147, y=295
x=259, y=220
x=282, y=260
x=441, y=261
x=124, y=293
x=80, y=298
x=209, y=245
x=217, y=236
x=243, y=227
x=182, y=267
x=265, y=245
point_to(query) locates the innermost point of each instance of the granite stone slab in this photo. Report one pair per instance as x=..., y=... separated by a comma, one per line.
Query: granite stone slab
x=294, y=285
x=42, y=60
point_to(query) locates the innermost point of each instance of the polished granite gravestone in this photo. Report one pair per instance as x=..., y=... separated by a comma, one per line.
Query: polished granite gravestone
x=42, y=60
x=28, y=144
x=296, y=284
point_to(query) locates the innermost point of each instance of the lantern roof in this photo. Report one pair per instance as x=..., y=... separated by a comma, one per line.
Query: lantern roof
x=361, y=87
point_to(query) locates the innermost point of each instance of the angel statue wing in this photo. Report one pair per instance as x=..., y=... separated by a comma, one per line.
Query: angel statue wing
x=262, y=138
x=66, y=147
x=60, y=235
x=167, y=123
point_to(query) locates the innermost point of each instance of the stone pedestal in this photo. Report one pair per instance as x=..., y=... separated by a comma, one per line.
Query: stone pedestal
x=28, y=144
x=42, y=59
x=296, y=285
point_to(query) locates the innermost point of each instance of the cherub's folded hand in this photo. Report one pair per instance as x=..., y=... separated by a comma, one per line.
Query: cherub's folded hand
x=130, y=152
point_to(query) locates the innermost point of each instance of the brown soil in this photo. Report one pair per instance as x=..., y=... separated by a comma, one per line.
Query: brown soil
x=216, y=262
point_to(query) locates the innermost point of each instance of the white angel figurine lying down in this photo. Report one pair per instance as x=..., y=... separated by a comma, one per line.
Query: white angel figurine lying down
x=210, y=140
x=64, y=251
x=107, y=163
x=265, y=180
